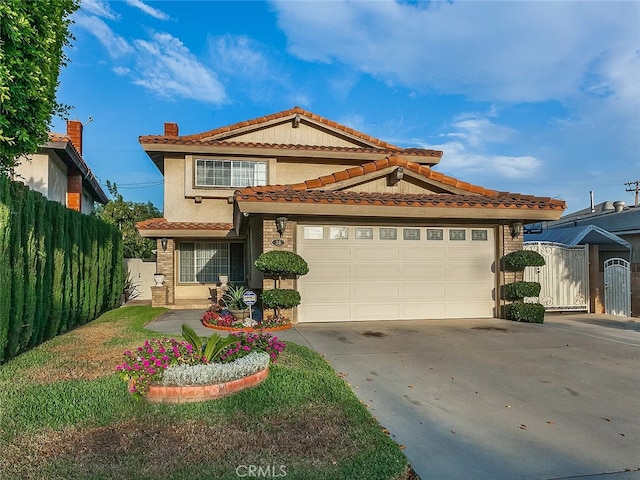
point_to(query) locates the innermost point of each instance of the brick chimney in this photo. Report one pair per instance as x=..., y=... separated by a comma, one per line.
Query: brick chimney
x=170, y=129
x=74, y=130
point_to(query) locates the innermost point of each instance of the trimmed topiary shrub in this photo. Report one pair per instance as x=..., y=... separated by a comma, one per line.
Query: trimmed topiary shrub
x=525, y=312
x=280, y=298
x=517, y=261
x=281, y=263
x=518, y=290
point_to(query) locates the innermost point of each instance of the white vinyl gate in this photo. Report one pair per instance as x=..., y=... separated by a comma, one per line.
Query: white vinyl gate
x=617, y=287
x=564, y=279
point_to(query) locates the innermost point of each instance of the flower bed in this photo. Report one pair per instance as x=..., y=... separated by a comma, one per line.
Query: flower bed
x=208, y=369
x=218, y=318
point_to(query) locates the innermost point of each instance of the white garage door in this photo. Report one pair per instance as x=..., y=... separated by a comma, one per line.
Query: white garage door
x=389, y=273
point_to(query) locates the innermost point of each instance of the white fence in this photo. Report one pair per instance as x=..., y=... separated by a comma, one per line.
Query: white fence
x=565, y=277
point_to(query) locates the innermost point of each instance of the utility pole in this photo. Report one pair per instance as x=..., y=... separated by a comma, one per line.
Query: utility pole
x=635, y=189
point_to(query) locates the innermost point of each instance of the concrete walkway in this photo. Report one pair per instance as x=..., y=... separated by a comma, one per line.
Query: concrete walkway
x=491, y=399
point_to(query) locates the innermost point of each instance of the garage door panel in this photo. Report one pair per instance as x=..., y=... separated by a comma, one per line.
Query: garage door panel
x=466, y=291
x=422, y=272
x=323, y=273
x=426, y=311
x=319, y=292
x=381, y=253
x=422, y=291
x=468, y=254
x=479, y=309
x=369, y=311
x=324, y=313
x=414, y=252
x=466, y=271
x=374, y=292
x=367, y=272
x=326, y=254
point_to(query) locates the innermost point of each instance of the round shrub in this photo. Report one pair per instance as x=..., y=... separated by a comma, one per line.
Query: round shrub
x=518, y=260
x=280, y=298
x=524, y=312
x=518, y=290
x=280, y=263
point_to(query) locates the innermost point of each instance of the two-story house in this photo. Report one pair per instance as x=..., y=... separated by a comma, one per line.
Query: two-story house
x=385, y=235
x=58, y=171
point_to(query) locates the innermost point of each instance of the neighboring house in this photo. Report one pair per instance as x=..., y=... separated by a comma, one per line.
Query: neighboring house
x=385, y=236
x=58, y=171
x=612, y=230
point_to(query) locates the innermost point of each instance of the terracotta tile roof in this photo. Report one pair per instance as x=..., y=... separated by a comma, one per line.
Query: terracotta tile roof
x=311, y=191
x=163, y=224
x=415, y=152
x=205, y=138
x=404, y=199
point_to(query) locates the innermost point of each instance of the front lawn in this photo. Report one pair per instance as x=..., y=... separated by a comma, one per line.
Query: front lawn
x=64, y=413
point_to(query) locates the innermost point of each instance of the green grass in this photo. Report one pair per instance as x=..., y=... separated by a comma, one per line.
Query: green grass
x=303, y=418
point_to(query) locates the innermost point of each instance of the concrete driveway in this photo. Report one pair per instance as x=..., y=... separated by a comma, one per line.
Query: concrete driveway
x=494, y=399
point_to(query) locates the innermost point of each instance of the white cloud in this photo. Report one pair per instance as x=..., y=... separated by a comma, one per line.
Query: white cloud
x=122, y=71
x=239, y=55
x=492, y=51
x=100, y=8
x=115, y=45
x=154, y=12
x=255, y=69
x=466, y=164
x=477, y=130
x=165, y=66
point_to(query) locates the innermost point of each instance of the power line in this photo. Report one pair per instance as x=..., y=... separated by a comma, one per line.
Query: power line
x=635, y=189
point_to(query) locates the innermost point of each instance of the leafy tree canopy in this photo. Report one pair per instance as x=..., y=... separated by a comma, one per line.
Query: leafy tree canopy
x=125, y=215
x=32, y=37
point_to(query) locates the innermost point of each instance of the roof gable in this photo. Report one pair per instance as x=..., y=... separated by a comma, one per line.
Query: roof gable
x=454, y=196
x=291, y=122
x=293, y=132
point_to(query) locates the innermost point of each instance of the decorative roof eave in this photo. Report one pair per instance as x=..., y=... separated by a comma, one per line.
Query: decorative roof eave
x=62, y=145
x=161, y=227
x=456, y=212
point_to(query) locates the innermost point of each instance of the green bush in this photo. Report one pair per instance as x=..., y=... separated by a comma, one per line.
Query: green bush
x=281, y=263
x=280, y=298
x=524, y=312
x=58, y=268
x=518, y=260
x=518, y=290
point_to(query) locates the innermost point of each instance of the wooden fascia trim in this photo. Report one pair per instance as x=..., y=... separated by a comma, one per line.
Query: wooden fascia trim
x=457, y=213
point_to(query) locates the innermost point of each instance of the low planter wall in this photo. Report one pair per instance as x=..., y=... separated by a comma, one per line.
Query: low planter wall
x=248, y=329
x=200, y=393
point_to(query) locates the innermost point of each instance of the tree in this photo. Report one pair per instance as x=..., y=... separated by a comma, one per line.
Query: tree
x=125, y=215
x=32, y=37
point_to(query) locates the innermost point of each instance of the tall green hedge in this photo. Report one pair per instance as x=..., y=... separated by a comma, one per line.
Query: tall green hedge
x=58, y=268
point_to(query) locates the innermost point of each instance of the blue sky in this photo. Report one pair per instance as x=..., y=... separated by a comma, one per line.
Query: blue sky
x=539, y=97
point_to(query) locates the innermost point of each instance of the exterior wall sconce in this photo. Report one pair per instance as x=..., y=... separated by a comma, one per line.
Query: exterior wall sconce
x=163, y=242
x=281, y=225
x=516, y=229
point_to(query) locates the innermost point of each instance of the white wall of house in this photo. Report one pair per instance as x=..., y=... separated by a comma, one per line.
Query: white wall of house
x=57, y=180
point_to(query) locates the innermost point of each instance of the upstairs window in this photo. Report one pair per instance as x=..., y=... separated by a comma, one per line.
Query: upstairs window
x=230, y=173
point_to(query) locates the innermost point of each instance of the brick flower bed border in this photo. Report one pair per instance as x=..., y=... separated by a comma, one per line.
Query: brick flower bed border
x=248, y=329
x=202, y=393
